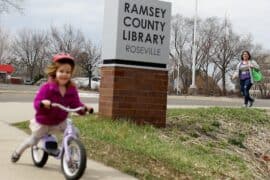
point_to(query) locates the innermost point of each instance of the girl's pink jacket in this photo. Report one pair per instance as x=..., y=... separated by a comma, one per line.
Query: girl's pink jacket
x=54, y=115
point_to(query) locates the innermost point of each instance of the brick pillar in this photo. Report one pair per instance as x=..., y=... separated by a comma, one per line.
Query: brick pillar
x=136, y=94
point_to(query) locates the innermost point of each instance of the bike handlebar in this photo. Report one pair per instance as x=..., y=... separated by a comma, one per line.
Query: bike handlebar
x=67, y=109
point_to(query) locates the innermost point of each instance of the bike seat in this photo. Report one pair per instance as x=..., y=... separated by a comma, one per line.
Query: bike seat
x=51, y=147
x=53, y=152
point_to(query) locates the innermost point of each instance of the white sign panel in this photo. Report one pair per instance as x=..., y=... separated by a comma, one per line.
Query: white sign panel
x=137, y=30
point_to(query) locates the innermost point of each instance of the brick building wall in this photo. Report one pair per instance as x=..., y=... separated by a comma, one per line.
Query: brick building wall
x=136, y=94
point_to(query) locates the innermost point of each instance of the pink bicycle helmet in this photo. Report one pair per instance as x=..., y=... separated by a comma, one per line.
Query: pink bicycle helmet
x=62, y=56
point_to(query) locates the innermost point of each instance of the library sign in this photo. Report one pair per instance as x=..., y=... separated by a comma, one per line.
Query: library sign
x=137, y=30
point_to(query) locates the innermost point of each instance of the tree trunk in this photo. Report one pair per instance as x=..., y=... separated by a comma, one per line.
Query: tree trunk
x=224, y=92
x=90, y=77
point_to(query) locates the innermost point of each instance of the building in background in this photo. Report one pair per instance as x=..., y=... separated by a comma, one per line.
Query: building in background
x=5, y=72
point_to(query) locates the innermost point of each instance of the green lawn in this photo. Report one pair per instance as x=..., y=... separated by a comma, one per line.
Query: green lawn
x=201, y=143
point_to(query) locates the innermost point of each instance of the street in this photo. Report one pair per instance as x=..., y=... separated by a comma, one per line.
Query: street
x=26, y=93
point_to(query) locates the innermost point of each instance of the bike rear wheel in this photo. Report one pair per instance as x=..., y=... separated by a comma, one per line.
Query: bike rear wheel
x=39, y=156
x=74, y=168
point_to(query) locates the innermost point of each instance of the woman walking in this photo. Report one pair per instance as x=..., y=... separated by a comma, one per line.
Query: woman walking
x=243, y=72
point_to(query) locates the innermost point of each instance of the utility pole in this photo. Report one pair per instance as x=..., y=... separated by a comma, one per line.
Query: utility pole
x=193, y=87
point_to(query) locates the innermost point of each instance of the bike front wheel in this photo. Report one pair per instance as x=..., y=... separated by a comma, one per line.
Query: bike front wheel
x=39, y=156
x=75, y=167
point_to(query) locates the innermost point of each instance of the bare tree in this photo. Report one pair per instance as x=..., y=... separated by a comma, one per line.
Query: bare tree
x=4, y=46
x=180, y=52
x=70, y=40
x=228, y=48
x=30, y=51
x=89, y=59
x=6, y=5
x=208, y=34
x=181, y=49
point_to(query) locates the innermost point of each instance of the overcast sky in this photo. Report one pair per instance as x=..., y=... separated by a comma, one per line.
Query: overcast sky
x=246, y=16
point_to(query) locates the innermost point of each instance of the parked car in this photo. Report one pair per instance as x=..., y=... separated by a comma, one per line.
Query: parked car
x=41, y=81
x=28, y=82
x=83, y=82
x=95, y=83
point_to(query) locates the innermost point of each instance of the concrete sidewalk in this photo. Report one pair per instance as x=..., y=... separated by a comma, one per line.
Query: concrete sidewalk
x=11, y=137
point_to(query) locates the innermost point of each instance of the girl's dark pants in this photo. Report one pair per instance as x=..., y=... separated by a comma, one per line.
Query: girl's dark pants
x=245, y=87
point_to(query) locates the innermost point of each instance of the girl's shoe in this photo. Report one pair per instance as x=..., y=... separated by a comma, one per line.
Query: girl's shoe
x=15, y=157
x=266, y=157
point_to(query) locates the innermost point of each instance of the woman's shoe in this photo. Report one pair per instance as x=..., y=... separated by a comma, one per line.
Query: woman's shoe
x=251, y=103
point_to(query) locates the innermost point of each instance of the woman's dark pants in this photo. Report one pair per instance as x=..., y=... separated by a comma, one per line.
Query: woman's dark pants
x=245, y=87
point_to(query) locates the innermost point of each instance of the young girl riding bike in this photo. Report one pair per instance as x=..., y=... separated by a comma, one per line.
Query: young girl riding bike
x=59, y=89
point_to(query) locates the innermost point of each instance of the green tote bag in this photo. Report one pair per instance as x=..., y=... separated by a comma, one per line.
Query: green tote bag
x=257, y=75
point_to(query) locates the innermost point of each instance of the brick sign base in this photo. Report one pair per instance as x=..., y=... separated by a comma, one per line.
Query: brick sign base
x=139, y=95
